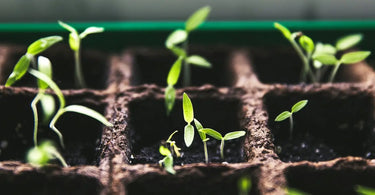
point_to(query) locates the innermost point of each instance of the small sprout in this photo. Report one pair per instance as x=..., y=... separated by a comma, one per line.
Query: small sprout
x=172, y=145
x=167, y=161
x=75, y=45
x=293, y=191
x=218, y=136
x=244, y=185
x=203, y=137
x=170, y=92
x=286, y=114
x=362, y=190
x=40, y=155
x=188, y=113
x=23, y=63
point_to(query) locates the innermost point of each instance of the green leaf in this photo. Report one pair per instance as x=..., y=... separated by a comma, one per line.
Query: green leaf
x=74, y=41
x=321, y=48
x=234, y=135
x=199, y=126
x=19, y=70
x=197, y=18
x=326, y=59
x=282, y=116
x=174, y=72
x=170, y=136
x=42, y=44
x=170, y=96
x=176, y=37
x=292, y=191
x=45, y=67
x=199, y=61
x=164, y=151
x=212, y=133
x=67, y=27
x=88, y=112
x=188, y=135
x=354, y=57
x=48, y=107
x=283, y=30
x=362, y=190
x=306, y=43
x=91, y=30
x=178, y=51
x=299, y=105
x=168, y=165
x=348, y=41
x=187, y=108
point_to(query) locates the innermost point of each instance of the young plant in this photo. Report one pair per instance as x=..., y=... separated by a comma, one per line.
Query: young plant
x=244, y=185
x=293, y=191
x=286, y=114
x=203, y=137
x=167, y=161
x=362, y=190
x=75, y=44
x=180, y=37
x=172, y=145
x=218, y=136
x=23, y=63
x=188, y=113
x=40, y=155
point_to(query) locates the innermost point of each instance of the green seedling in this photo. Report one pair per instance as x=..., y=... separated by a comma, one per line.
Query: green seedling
x=33, y=50
x=293, y=191
x=362, y=190
x=203, y=137
x=218, y=136
x=286, y=114
x=63, y=108
x=188, y=113
x=40, y=155
x=75, y=44
x=173, y=42
x=167, y=161
x=244, y=185
x=172, y=145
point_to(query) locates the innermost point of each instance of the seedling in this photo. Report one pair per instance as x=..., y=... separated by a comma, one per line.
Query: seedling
x=293, y=191
x=180, y=37
x=40, y=155
x=203, y=137
x=218, y=136
x=23, y=63
x=167, y=161
x=286, y=114
x=188, y=113
x=244, y=185
x=362, y=190
x=172, y=145
x=75, y=44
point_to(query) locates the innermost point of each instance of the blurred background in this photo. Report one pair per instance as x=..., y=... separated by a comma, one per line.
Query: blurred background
x=150, y=10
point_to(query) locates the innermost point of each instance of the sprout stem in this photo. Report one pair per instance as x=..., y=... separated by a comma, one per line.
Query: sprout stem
x=52, y=126
x=79, y=80
x=187, y=72
x=222, y=148
x=35, y=113
x=205, y=151
x=334, y=71
x=306, y=67
x=291, y=127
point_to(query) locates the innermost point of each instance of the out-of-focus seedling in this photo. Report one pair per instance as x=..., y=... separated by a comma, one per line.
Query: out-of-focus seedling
x=172, y=145
x=286, y=114
x=170, y=91
x=218, y=136
x=244, y=185
x=203, y=137
x=40, y=155
x=293, y=191
x=167, y=161
x=188, y=113
x=75, y=44
x=362, y=190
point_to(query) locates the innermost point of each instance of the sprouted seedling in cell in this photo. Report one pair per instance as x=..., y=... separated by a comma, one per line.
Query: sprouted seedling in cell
x=203, y=137
x=188, y=113
x=226, y=137
x=244, y=185
x=286, y=114
x=40, y=155
x=172, y=145
x=363, y=190
x=75, y=45
x=180, y=37
x=167, y=161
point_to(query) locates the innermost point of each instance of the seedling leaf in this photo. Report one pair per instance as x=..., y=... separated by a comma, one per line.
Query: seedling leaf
x=74, y=41
x=164, y=151
x=88, y=112
x=168, y=164
x=348, y=41
x=188, y=135
x=199, y=61
x=45, y=67
x=287, y=34
x=212, y=133
x=91, y=30
x=306, y=43
x=42, y=44
x=170, y=96
x=299, y=105
x=282, y=116
x=292, y=191
x=187, y=108
x=178, y=51
x=19, y=70
x=176, y=37
x=199, y=126
x=174, y=73
x=362, y=190
x=197, y=18
x=321, y=48
x=326, y=59
x=67, y=27
x=234, y=135
x=48, y=106
x=354, y=57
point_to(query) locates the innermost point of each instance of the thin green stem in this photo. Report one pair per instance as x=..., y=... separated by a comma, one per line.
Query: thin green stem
x=79, y=80
x=222, y=148
x=291, y=127
x=187, y=71
x=306, y=67
x=52, y=126
x=334, y=71
x=205, y=151
x=35, y=113
x=59, y=157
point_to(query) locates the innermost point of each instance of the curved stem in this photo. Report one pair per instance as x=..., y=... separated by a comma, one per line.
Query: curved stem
x=334, y=71
x=306, y=67
x=35, y=113
x=59, y=157
x=187, y=71
x=291, y=127
x=52, y=126
x=80, y=81
x=222, y=148
x=205, y=152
